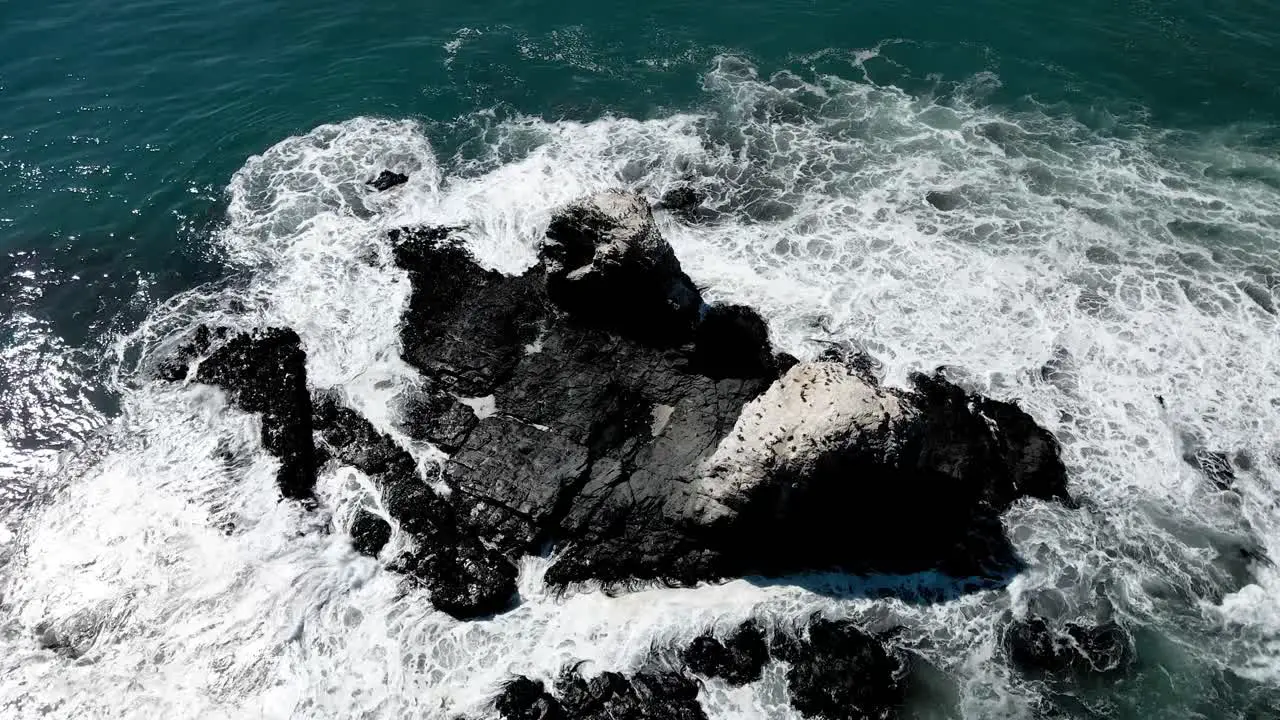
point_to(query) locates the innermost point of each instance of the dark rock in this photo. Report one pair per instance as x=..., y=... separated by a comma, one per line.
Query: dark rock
x=369, y=533
x=387, y=180
x=860, y=362
x=525, y=699
x=733, y=341
x=465, y=327
x=682, y=197
x=609, y=696
x=466, y=579
x=263, y=371
x=1214, y=465
x=784, y=362
x=841, y=672
x=437, y=417
x=945, y=200
x=1060, y=370
x=607, y=264
x=1074, y=650
x=593, y=431
x=464, y=576
x=825, y=464
x=687, y=202
x=993, y=448
x=738, y=660
x=643, y=696
x=642, y=445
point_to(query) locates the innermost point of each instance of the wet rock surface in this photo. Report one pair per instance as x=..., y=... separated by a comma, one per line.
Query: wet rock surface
x=840, y=672
x=263, y=371
x=608, y=696
x=465, y=578
x=687, y=202
x=834, y=670
x=607, y=265
x=738, y=660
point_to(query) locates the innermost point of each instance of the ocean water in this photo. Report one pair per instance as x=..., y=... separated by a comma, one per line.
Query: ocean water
x=1111, y=261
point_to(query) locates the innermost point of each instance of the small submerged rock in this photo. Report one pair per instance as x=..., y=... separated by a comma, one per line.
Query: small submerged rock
x=1075, y=649
x=1214, y=465
x=687, y=202
x=840, y=672
x=945, y=200
x=387, y=179
x=836, y=670
x=369, y=533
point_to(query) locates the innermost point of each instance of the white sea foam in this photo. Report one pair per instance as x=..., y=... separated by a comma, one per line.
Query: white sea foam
x=173, y=583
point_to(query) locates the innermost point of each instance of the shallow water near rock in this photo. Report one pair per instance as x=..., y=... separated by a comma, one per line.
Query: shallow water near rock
x=1107, y=258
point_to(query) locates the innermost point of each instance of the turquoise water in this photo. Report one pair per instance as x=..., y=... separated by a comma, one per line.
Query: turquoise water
x=163, y=163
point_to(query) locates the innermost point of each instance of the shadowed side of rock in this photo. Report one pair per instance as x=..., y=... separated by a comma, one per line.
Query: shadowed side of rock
x=607, y=264
x=830, y=466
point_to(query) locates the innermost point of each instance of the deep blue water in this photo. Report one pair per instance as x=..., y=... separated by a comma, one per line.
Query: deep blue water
x=122, y=124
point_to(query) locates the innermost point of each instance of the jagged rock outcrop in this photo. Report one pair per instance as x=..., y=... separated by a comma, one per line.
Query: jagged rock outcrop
x=738, y=660
x=642, y=435
x=369, y=533
x=607, y=264
x=263, y=371
x=832, y=464
x=596, y=407
x=840, y=672
x=608, y=696
x=834, y=670
x=464, y=577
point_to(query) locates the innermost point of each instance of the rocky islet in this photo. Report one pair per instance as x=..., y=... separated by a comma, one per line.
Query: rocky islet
x=598, y=406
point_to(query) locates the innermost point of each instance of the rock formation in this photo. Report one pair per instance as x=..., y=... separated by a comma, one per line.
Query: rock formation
x=641, y=433
x=596, y=407
x=738, y=660
x=839, y=672
x=608, y=696
x=464, y=577
x=834, y=670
